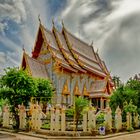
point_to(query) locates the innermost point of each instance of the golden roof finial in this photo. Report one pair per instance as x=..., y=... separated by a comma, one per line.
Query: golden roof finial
x=91, y=43
x=53, y=21
x=23, y=48
x=39, y=19
x=97, y=51
x=62, y=23
x=107, y=76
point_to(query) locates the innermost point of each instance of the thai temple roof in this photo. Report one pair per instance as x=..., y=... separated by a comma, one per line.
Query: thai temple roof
x=36, y=68
x=72, y=53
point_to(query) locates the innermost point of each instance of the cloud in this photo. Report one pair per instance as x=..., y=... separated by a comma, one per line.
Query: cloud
x=114, y=28
x=23, y=16
x=9, y=44
x=14, y=10
x=2, y=57
x=113, y=25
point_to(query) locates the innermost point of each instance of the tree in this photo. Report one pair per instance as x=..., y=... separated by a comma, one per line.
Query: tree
x=17, y=87
x=45, y=92
x=76, y=111
x=117, y=81
x=131, y=108
x=121, y=95
x=130, y=92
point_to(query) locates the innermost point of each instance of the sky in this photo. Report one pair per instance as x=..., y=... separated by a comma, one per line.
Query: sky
x=112, y=25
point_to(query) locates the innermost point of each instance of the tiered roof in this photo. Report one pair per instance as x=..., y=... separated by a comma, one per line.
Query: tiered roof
x=72, y=53
x=84, y=54
x=36, y=68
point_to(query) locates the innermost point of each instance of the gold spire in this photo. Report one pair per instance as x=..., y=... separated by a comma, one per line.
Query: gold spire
x=91, y=43
x=23, y=49
x=39, y=19
x=53, y=21
x=97, y=51
x=62, y=23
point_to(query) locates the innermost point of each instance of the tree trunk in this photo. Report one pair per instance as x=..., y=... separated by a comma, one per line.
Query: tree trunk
x=15, y=118
x=77, y=120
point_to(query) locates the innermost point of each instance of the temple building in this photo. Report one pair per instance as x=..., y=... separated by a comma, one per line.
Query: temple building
x=72, y=65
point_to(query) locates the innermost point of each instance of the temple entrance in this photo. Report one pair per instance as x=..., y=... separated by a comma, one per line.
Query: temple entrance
x=95, y=102
x=100, y=103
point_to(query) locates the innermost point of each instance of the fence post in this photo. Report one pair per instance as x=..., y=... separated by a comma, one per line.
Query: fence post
x=57, y=118
x=85, y=119
x=118, y=119
x=108, y=118
x=136, y=120
x=52, y=119
x=129, y=120
x=91, y=119
x=63, y=119
x=36, y=117
x=33, y=116
x=6, y=116
x=22, y=117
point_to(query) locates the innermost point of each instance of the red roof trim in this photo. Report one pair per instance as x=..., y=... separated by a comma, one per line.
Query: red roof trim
x=38, y=45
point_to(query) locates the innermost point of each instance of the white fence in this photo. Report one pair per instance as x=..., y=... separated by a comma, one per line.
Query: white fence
x=34, y=118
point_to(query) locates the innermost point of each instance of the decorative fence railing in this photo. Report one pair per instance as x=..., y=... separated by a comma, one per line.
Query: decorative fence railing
x=55, y=119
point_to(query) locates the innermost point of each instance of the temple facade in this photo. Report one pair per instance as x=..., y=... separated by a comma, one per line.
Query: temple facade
x=73, y=67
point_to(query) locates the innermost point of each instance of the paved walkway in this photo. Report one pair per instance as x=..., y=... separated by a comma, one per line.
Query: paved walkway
x=17, y=137
x=134, y=136
x=11, y=136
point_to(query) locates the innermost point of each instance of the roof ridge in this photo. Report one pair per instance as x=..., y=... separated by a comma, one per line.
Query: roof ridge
x=62, y=49
x=33, y=58
x=76, y=37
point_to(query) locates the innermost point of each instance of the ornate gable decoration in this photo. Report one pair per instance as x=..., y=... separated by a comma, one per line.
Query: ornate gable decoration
x=76, y=89
x=85, y=92
x=65, y=90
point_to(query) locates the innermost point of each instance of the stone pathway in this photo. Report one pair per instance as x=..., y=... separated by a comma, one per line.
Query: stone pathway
x=7, y=136
x=17, y=137
x=134, y=136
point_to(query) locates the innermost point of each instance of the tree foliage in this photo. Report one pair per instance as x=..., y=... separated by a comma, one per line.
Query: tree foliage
x=76, y=111
x=18, y=87
x=44, y=89
x=130, y=107
x=130, y=93
x=117, y=82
